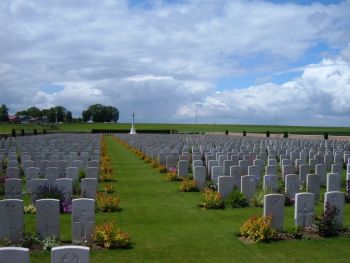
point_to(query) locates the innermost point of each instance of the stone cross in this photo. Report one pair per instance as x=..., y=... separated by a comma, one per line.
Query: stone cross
x=133, y=131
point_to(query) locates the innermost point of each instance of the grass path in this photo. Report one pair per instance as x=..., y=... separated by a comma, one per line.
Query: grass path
x=168, y=226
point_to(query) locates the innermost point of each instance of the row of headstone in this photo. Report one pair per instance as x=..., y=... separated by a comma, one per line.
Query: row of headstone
x=304, y=210
x=69, y=172
x=244, y=160
x=13, y=187
x=70, y=151
x=47, y=219
x=62, y=254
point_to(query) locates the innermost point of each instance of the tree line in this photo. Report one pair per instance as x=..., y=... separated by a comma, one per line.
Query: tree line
x=95, y=113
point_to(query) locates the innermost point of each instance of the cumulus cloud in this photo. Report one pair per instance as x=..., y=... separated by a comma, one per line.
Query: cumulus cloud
x=160, y=59
x=320, y=96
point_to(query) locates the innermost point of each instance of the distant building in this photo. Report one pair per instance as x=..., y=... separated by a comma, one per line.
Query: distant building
x=24, y=119
x=14, y=119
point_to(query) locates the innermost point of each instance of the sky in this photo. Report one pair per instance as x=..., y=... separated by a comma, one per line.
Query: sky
x=177, y=61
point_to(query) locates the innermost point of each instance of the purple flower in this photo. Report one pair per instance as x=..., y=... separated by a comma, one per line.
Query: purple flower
x=172, y=169
x=66, y=207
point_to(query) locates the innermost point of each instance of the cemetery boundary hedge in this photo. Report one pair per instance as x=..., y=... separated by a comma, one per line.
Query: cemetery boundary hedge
x=127, y=131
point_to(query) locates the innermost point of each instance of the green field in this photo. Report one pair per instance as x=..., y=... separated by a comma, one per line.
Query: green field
x=85, y=127
x=167, y=225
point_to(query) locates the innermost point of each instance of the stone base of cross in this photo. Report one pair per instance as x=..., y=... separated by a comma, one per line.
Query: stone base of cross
x=132, y=130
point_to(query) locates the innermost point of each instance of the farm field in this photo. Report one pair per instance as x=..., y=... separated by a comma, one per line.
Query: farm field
x=85, y=127
x=167, y=225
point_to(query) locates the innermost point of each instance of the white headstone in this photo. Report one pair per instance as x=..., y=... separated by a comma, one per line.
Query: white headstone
x=304, y=213
x=70, y=254
x=336, y=199
x=11, y=220
x=274, y=207
x=48, y=217
x=14, y=255
x=83, y=220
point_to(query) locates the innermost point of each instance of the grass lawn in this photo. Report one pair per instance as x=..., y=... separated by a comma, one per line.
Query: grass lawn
x=85, y=127
x=168, y=226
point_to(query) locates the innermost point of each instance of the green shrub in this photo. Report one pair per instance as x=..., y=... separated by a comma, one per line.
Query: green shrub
x=76, y=188
x=293, y=233
x=2, y=185
x=52, y=192
x=236, y=200
x=259, y=229
x=31, y=241
x=258, y=197
x=82, y=174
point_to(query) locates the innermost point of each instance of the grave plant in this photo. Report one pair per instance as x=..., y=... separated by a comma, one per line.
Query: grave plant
x=2, y=185
x=347, y=191
x=325, y=136
x=30, y=209
x=236, y=200
x=259, y=229
x=109, y=236
x=258, y=197
x=188, y=185
x=210, y=185
x=107, y=203
x=212, y=199
x=326, y=223
x=108, y=188
x=171, y=175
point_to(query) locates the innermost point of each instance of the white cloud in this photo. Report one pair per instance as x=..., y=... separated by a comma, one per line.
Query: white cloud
x=161, y=60
x=320, y=96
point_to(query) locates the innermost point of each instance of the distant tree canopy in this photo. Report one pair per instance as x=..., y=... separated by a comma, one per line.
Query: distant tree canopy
x=4, y=113
x=62, y=113
x=51, y=113
x=68, y=117
x=32, y=112
x=101, y=113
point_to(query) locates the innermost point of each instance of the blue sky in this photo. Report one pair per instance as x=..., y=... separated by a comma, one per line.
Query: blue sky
x=229, y=61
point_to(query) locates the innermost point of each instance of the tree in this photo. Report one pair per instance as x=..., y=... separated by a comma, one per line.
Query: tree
x=86, y=115
x=51, y=113
x=23, y=112
x=68, y=117
x=101, y=113
x=4, y=113
x=34, y=112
